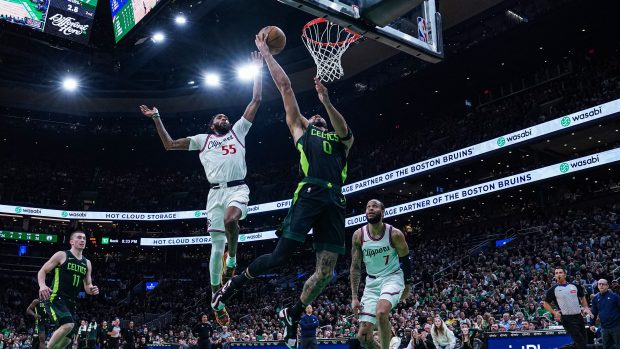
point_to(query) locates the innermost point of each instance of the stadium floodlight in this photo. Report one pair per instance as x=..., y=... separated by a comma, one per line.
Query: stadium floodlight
x=247, y=72
x=70, y=84
x=212, y=79
x=180, y=20
x=158, y=37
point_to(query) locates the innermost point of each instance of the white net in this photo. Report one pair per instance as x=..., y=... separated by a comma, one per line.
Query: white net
x=326, y=42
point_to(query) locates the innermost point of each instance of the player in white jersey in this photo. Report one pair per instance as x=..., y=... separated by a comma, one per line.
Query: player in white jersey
x=222, y=153
x=385, y=253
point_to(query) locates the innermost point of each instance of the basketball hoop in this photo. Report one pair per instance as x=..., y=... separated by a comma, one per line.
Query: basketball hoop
x=326, y=42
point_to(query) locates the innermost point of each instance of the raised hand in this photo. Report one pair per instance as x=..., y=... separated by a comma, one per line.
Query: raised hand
x=256, y=59
x=321, y=90
x=148, y=112
x=261, y=44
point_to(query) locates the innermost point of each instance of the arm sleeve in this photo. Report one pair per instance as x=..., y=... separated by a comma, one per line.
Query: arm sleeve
x=197, y=142
x=550, y=295
x=405, y=264
x=241, y=127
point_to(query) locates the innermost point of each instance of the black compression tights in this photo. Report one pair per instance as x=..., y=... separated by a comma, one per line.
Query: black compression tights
x=263, y=264
x=279, y=257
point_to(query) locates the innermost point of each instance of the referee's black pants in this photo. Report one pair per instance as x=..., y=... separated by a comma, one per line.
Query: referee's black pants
x=576, y=329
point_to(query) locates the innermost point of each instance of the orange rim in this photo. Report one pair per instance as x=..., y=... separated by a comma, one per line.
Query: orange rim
x=316, y=21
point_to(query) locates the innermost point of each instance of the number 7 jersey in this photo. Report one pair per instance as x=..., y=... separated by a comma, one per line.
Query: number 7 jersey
x=380, y=257
x=223, y=156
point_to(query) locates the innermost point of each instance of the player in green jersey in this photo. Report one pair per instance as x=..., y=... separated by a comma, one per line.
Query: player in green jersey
x=317, y=204
x=38, y=311
x=71, y=273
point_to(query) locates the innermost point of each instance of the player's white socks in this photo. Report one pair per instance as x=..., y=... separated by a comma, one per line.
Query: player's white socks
x=231, y=262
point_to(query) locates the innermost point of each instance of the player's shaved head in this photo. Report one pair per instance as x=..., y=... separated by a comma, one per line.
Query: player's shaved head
x=378, y=203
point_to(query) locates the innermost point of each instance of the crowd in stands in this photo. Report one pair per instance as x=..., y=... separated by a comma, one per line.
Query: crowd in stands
x=178, y=182
x=486, y=288
x=461, y=277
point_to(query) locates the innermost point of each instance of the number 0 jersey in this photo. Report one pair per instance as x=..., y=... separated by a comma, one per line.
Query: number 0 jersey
x=68, y=278
x=223, y=157
x=322, y=155
x=380, y=257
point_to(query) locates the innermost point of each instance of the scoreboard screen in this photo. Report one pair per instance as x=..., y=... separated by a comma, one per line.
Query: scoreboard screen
x=69, y=19
x=127, y=13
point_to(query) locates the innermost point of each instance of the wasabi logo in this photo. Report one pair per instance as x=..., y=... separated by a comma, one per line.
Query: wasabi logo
x=565, y=121
x=501, y=141
x=242, y=238
x=564, y=167
x=197, y=214
x=65, y=214
x=27, y=210
x=517, y=136
x=588, y=114
x=590, y=161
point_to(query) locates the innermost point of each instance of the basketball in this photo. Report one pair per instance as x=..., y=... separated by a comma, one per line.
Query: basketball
x=276, y=40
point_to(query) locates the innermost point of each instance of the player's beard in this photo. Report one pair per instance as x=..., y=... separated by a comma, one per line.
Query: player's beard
x=221, y=128
x=374, y=220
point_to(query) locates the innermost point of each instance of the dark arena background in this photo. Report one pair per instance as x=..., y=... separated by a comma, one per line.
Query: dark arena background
x=489, y=129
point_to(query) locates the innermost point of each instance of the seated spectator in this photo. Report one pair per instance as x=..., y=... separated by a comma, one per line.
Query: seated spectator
x=443, y=338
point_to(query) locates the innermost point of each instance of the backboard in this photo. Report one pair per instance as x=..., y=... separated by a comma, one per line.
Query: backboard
x=417, y=31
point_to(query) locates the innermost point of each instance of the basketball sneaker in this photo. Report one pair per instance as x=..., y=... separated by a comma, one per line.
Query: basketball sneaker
x=227, y=272
x=221, y=317
x=290, y=328
x=222, y=295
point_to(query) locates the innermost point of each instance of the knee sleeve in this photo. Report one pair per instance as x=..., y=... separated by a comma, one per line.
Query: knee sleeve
x=218, y=244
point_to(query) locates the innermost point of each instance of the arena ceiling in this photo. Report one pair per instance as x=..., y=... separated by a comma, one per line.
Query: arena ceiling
x=219, y=34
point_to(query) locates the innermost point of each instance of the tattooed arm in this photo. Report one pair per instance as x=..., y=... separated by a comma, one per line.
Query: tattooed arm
x=356, y=269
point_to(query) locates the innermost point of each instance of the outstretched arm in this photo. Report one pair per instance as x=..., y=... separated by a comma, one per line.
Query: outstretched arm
x=297, y=124
x=337, y=120
x=257, y=92
x=169, y=143
x=355, y=273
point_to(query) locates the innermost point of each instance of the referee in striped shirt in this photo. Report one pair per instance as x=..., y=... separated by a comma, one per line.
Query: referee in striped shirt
x=568, y=297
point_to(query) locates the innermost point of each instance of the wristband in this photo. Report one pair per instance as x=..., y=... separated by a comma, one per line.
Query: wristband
x=155, y=116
